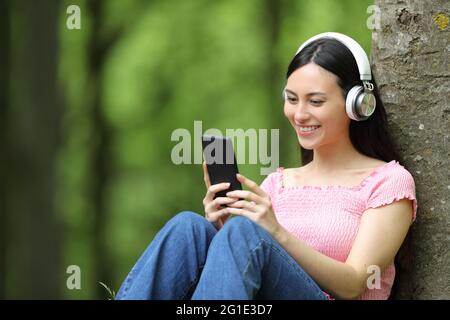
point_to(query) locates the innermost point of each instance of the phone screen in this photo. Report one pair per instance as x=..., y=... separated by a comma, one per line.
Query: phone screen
x=220, y=162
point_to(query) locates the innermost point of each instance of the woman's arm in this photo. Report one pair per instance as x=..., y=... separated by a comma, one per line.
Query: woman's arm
x=380, y=235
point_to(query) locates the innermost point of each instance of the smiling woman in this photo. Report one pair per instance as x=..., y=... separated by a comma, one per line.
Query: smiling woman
x=312, y=242
x=326, y=72
x=333, y=104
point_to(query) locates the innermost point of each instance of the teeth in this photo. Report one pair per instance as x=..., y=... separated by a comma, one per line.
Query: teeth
x=307, y=129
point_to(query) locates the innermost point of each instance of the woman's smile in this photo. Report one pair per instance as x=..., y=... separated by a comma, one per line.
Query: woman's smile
x=307, y=130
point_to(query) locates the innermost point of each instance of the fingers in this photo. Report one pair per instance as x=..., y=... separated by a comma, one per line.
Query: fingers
x=212, y=190
x=214, y=205
x=206, y=175
x=244, y=194
x=214, y=212
x=243, y=204
x=240, y=212
x=253, y=186
x=217, y=216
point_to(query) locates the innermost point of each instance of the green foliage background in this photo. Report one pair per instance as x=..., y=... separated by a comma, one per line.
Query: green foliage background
x=165, y=64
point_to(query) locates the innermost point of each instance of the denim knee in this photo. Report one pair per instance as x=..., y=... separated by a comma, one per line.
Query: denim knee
x=190, y=218
x=241, y=225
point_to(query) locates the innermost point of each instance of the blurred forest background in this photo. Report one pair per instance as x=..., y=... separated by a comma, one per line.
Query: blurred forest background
x=87, y=115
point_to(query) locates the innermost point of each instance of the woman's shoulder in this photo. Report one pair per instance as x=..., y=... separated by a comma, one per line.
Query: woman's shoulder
x=390, y=173
x=391, y=183
x=391, y=167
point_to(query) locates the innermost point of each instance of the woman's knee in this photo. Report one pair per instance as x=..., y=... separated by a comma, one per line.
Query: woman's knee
x=190, y=218
x=241, y=234
x=241, y=225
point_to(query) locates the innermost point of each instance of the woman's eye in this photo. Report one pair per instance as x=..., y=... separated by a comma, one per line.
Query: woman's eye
x=292, y=100
x=316, y=102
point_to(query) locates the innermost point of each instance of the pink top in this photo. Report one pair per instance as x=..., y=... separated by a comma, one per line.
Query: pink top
x=327, y=217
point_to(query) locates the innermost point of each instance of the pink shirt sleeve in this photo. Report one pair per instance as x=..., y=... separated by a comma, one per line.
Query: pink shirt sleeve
x=391, y=185
x=269, y=185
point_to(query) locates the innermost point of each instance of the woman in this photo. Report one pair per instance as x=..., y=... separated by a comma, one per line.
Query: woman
x=328, y=229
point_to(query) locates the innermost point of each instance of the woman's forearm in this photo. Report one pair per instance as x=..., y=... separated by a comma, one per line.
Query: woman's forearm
x=337, y=278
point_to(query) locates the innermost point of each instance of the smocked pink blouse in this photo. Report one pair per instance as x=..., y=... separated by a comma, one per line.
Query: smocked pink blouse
x=327, y=217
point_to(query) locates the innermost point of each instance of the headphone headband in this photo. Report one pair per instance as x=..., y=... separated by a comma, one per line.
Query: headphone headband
x=358, y=52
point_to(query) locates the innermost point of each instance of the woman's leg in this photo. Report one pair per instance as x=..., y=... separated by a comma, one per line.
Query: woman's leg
x=170, y=266
x=245, y=262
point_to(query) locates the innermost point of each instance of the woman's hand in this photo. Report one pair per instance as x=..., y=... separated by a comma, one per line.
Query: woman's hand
x=215, y=209
x=256, y=205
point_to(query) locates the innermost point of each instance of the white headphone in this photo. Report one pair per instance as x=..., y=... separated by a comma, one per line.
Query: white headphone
x=360, y=102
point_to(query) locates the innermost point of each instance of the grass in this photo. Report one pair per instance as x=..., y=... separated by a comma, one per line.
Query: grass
x=112, y=294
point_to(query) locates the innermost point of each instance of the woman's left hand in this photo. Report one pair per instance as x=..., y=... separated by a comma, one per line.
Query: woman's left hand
x=254, y=204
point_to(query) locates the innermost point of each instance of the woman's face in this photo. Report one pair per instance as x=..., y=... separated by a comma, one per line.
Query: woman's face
x=314, y=98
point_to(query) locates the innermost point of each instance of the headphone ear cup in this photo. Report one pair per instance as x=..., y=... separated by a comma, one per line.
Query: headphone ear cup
x=359, y=104
x=351, y=102
x=365, y=105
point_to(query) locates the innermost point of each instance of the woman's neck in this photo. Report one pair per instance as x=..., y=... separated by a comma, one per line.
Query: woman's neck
x=335, y=158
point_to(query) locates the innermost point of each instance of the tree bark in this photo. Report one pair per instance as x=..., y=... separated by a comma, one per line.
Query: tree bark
x=411, y=63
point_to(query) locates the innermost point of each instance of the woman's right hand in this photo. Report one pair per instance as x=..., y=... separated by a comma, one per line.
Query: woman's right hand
x=215, y=209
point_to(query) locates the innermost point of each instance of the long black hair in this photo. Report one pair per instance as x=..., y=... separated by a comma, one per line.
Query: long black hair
x=370, y=137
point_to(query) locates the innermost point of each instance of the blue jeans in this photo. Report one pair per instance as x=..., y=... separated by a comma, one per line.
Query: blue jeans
x=190, y=259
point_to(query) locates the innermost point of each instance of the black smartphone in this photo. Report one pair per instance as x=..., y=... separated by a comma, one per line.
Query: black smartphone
x=220, y=162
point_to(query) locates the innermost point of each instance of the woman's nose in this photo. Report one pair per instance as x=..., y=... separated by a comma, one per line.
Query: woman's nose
x=301, y=114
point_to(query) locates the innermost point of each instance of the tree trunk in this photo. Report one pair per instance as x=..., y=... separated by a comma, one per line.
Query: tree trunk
x=98, y=50
x=4, y=95
x=34, y=270
x=411, y=64
x=272, y=20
